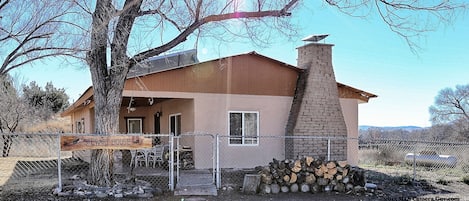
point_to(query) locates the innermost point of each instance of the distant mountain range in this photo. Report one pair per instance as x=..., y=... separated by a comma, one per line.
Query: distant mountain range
x=389, y=128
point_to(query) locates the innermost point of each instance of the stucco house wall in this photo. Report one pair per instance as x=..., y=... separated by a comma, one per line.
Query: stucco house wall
x=350, y=112
x=205, y=93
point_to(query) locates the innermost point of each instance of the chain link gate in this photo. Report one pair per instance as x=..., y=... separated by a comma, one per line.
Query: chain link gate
x=195, y=160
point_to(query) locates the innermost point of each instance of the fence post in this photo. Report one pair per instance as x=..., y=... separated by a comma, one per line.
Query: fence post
x=414, y=165
x=217, y=147
x=328, y=148
x=59, y=165
x=177, y=158
x=214, y=158
x=171, y=162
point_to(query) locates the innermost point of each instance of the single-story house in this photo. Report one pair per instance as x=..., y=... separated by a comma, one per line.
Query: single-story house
x=240, y=97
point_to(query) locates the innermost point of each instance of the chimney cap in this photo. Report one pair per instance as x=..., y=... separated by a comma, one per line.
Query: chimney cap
x=315, y=37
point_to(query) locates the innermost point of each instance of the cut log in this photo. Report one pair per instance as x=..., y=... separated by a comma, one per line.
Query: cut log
x=333, y=182
x=310, y=169
x=346, y=180
x=342, y=164
x=315, y=188
x=275, y=188
x=310, y=179
x=345, y=172
x=338, y=177
x=309, y=160
x=322, y=181
x=318, y=172
x=330, y=165
x=284, y=189
x=286, y=178
x=304, y=187
x=265, y=188
x=266, y=178
x=294, y=188
x=293, y=178
x=296, y=166
x=340, y=187
x=328, y=176
x=324, y=168
x=282, y=165
x=332, y=171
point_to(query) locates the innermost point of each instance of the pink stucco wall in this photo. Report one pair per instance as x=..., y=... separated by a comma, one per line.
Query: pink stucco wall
x=350, y=111
x=208, y=113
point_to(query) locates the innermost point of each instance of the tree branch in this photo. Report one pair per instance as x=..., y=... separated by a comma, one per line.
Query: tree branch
x=211, y=18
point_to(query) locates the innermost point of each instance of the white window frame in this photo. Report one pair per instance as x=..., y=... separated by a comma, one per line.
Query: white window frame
x=134, y=119
x=176, y=125
x=242, y=122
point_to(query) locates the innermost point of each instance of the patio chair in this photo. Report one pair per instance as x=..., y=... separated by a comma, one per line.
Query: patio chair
x=141, y=156
x=156, y=155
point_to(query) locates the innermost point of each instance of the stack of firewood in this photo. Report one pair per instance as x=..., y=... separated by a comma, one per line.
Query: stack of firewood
x=309, y=175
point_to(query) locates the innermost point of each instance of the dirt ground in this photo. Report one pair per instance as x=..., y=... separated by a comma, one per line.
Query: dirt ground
x=40, y=186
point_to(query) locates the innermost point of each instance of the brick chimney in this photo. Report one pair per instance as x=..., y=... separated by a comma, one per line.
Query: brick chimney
x=316, y=109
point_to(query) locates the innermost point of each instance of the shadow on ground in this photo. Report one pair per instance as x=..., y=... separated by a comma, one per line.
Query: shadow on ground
x=34, y=180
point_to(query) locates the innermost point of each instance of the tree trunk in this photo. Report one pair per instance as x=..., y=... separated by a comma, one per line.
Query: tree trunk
x=108, y=84
x=7, y=142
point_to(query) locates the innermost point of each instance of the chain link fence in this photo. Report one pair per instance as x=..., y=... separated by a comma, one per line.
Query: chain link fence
x=35, y=160
x=27, y=159
x=427, y=160
x=237, y=160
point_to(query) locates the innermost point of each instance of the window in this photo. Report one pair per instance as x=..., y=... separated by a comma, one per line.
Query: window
x=244, y=128
x=80, y=128
x=175, y=124
x=134, y=125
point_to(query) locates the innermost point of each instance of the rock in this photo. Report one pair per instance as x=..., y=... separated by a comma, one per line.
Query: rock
x=370, y=186
x=62, y=194
x=358, y=189
x=145, y=195
x=101, y=194
x=118, y=195
x=75, y=177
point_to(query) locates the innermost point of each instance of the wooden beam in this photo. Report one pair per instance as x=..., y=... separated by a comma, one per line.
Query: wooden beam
x=74, y=143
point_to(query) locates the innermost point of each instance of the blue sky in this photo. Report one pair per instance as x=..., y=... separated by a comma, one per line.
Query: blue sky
x=366, y=55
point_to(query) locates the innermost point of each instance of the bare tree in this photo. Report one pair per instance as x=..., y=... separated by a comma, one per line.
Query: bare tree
x=14, y=112
x=452, y=107
x=35, y=30
x=115, y=46
x=410, y=19
x=111, y=29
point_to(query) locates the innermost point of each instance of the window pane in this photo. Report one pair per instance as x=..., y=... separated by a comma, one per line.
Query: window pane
x=250, y=128
x=134, y=126
x=236, y=128
x=178, y=125
x=250, y=124
x=172, y=122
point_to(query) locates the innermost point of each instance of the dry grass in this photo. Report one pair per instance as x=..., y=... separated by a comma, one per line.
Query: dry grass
x=54, y=125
